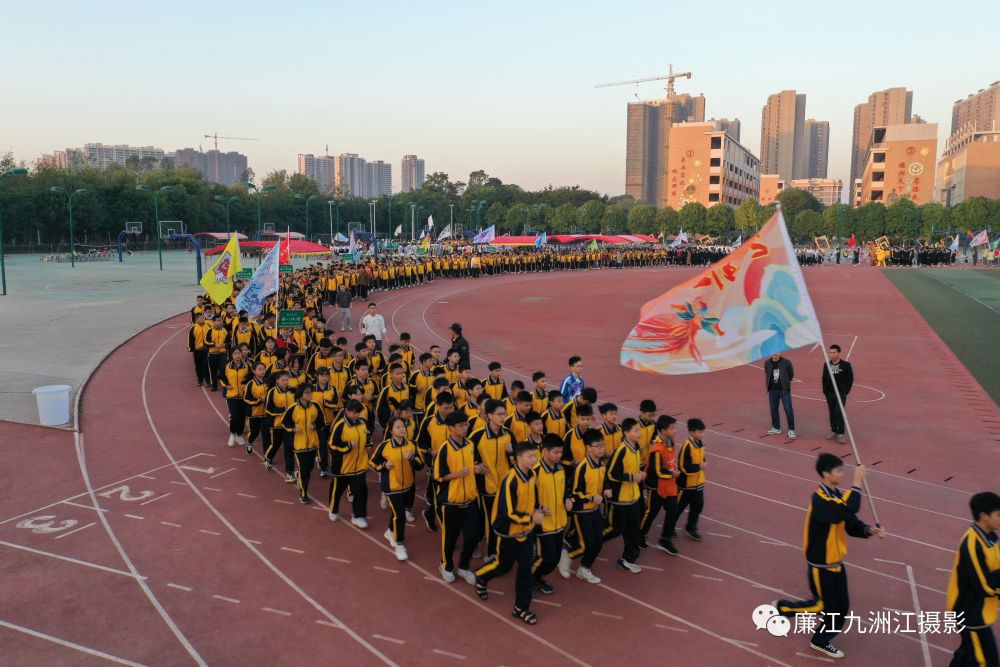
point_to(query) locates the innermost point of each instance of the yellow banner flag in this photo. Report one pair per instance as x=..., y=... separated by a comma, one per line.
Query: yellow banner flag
x=426, y=243
x=218, y=281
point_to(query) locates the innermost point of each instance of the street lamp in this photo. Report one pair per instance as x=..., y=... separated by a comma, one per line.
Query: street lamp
x=371, y=216
x=69, y=199
x=479, y=216
x=260, y=203
x=16, y=171
x=413, y=222
x=307, y=201
x=334, y=204
x=227, y=201
x=156, y=212
x=390, y=217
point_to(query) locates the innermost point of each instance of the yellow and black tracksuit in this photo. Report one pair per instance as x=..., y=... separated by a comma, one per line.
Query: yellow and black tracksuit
x=234, y=379
x=407, y=354
x=398, y=393
x=267, y=358
x=626, y=505
x=495, y=389
x=690, y=484
x=295, y=379
x=244, y=336
x=198, y=349
x=458, y=500
x=317, y=361
x=303, y=424
x=276, y=403
x=397, y=480
x=550, y=482
x=540, y=401
x=254, y=395
x=569, y=412
x=420, y=382
x=348, y=463
x=431, y=436
x=511, y=520
x=646, y=439
x=973, y=591
x=451, y=373
x=588, y=523
x=661, y=487
x=574, y=450
x=216, y=341
x=518, y=426
x=339, y=379
x=493, y=449
x=328, y=400
x=612, y=434
x=554, y=423
x=830, y=518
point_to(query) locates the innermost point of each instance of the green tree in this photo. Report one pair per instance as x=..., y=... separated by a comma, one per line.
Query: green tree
x=564, y=219
x=806, y=226
x=719, y=221
x=667, y=221
x=691, y=218
x=615, y=218
x=870, y=221
x=971, y=214
x=517, y=219
x=495, y=215
x=589, y=215
x=746, y=217
x=935, y=219
x=794, y=200
x=642, y=219
x=902, y=220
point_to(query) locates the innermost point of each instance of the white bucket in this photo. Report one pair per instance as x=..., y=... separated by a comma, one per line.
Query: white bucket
x=53, y=404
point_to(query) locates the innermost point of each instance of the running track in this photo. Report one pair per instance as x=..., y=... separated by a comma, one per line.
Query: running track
x=149, y=542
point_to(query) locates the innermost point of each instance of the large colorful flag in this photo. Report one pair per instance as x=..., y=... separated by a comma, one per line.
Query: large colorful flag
x=593, y=245
x=353, y=248
x=445, y=233
x=541, y=240
x=263, y=284
x=425, y=245
x=681, y=238
x=486, y=235
x=218, y=282
x=954, y=244
x=286, y=250
x=852, y=242
x=747, y=306
x=739, y=242
x=982, y=238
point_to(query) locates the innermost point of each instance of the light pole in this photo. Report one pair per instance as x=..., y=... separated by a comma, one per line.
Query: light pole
x=307, y=201
x=227, y=201
x=16, y=171
x=479, y=216
x=69, y=199
x=371, y=216
x=156, y=213
x=390, y=216
x=260, y=203
x=451, y=214
x=334, y=204
x=413, y=222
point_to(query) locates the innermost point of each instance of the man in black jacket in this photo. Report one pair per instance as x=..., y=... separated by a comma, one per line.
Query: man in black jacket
x=778, y=376
x=843, y=375
x=461, y=345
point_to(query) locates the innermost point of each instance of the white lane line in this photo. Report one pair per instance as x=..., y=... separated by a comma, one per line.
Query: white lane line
x=851, y=348
x=385, y=569
x=171, y=584
x=740, y=641
x=813, y=657
x=171, y=524
x=320, y=621
x=916, y=607
x=941, y=569
x=294, y=551
x=174, y=481
x=148, y=477
x=136, y=516
x=233, y=458
x=339, y=560
x=704, y=576
x=668, y=627
x=209, y=532
x=602, y=614
x=284, y=502
x=212, y=488
x=225, y=599
x=546, y=603
x=156, y=498
x=389, y=639
x=69, y=644
x=220, y=474
x=245, y=495
x=67, y=559
x=86, y=507
x=255, y=542
x=449, y=654
x=275, y=611
x=76, y=530
x=717, y=534
x=894, y=562
x=651, y=567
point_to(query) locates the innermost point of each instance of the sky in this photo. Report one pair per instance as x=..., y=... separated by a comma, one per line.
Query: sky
x=504, y=87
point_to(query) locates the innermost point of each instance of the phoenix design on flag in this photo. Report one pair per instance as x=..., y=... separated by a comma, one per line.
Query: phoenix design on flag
x=673, y=333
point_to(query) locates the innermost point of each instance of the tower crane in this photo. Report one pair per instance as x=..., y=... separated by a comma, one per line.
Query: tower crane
x=215, y=136
x=670, y=77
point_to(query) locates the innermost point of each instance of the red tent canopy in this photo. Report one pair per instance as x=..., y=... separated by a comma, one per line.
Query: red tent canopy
x=576, y=238
x=297, y=248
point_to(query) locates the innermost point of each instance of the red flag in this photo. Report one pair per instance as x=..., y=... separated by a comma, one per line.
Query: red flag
x=852, y=242
x=285, y=254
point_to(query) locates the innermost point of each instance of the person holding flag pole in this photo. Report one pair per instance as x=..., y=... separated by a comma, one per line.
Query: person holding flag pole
x=713, y=322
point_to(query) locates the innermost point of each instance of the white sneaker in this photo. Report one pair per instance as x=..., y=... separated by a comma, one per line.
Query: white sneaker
x=410, y=518
x=629, y=567
x=334, y=516
x=468, y=575
x=360, y=522
x=388, y=536
x=401, y=552
x=774, y=431
x=792, y=435
x=289, y=477
x=564, y=564
x=383, y=502
x=449, y=577
x=241, y=440
x=232, y=440
x=588, y=576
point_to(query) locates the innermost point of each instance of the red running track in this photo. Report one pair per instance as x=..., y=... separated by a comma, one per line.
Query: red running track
x=188, y=551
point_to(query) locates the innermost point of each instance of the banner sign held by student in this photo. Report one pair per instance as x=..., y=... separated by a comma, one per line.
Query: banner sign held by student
x=218, y=281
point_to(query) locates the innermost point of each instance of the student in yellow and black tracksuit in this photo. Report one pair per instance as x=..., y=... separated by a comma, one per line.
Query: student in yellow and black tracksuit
x=244, y=334
x=322, y=359
x=661, y=483
x=494, y=446
x=974, y=587
x=515, y=515
x=268, y=353
x=626, y=506
x=552, y=416
x=494, y=383
x=588, y=495
x=216, y=341
x=587, y=397
x=832, y=516
x=517, y=422
x=539, y=394
x=396, y=461
x=279, y=398
x=610, y=429
x=254, y=395
x=420, y=382
x=550, y=480
x=198, y=349
x=574, y=449
x=303, y=422
x=431, y=437
x=395, y=389
x=647, y=420
x=349, y=439
x=690, y=481
x=233, y=380
x=455, y=468
x=327, y=398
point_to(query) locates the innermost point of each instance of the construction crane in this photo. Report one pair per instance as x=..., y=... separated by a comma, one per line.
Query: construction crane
x=215, y=136
x=669, y=78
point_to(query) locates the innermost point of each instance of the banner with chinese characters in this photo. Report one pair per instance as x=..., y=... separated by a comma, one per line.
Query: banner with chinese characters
x=747, y=306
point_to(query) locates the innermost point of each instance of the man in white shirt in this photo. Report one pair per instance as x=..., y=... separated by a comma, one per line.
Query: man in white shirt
x=374, y=324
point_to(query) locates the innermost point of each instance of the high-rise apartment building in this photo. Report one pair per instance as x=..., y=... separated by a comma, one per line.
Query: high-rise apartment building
x=899, y=164
x=978, y=112
x=818, y=154
x=892, y=106
x=647, y=143
x=378, y=179
x=730, y=127
x=413, y=173
x=784, y=147
x=102, y=156
x=320, y=169
x=707, y=165
x=826, y=190
x=216, y=166
x=356, y=177
x=970, y=162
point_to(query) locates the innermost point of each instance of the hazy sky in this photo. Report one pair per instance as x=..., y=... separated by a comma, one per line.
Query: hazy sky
x=506, y=87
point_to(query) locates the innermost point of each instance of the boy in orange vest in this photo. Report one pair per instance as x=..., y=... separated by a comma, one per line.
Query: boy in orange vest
x=661, y=483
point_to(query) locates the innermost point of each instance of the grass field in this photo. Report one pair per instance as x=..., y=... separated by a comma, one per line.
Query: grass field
x=963, y=307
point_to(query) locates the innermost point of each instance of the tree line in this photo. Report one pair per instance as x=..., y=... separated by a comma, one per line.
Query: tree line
x=33, y=214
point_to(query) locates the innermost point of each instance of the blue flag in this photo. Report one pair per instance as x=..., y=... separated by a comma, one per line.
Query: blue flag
x=541, y=240
x=263, y=284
